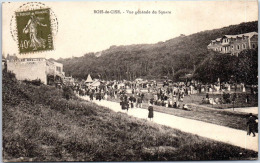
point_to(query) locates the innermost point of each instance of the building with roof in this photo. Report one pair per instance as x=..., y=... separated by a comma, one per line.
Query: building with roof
x=234, y=44
x=35, y=69
x=54, y=71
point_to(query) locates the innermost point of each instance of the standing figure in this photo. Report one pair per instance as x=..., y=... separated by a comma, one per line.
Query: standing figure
x=247, y=99
x=150, y=111
x=139, y=102
x=251, y=124
x=31, y=28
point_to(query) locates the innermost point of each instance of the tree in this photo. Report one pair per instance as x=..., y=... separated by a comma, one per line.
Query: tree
x=247, y=66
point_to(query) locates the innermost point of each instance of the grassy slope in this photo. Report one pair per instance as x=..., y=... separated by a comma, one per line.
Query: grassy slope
x=39, y=125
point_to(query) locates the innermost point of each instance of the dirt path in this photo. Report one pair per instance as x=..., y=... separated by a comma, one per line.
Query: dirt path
x=208, y=130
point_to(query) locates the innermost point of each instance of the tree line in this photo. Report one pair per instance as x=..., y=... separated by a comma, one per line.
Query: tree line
x=173, y=58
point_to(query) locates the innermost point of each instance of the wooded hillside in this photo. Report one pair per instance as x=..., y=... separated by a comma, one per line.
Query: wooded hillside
x=174, y=57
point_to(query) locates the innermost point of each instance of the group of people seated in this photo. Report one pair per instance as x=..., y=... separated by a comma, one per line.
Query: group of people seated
x=226, y=99
x=169, y=104
x=212, y=101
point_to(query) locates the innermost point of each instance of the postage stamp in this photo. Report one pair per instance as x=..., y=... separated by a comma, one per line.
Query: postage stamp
x=34, y=30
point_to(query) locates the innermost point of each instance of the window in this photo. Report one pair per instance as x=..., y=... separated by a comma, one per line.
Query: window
x=220, y=49
x=244, y=46
x=253, y=45
x=58, y=69
x=238, y=47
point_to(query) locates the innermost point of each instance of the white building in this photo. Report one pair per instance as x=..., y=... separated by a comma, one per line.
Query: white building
x=34, y=68
x=234, y=44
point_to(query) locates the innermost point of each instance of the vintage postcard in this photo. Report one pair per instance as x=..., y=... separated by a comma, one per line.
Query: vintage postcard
x=129, y=81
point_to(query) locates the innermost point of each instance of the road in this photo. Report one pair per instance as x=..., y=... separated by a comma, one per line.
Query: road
x=212, y=131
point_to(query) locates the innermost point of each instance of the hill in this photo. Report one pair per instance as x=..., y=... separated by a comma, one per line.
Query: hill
x=39, y=124
x=173, y=57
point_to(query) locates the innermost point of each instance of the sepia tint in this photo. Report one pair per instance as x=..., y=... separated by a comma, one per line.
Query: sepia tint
x=130, y=81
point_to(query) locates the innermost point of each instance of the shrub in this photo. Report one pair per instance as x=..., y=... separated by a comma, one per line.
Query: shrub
x=36, y=82
x=67, y=92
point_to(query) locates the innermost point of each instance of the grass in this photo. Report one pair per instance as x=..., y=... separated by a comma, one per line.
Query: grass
x=240, y=101
x=226, y=118
x=47, y=127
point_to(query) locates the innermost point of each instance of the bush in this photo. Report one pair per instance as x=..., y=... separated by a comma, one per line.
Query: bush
x=47, y=127
x=36, y=82
x=18, y=146
x=67, y=92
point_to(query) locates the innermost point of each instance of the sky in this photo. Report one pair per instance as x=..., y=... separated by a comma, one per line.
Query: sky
x=81, y=31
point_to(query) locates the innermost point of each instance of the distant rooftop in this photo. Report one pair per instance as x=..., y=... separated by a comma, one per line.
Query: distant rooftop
x=250, y=34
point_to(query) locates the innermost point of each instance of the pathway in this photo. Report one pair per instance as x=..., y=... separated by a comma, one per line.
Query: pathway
x=212, y=131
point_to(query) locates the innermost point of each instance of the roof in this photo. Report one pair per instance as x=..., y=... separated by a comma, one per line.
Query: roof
x=89, y=79
x=95, y=84
x=218, y=39
x=250, y=34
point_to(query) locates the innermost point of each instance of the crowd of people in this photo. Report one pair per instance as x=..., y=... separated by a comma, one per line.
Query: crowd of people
x=134, y=94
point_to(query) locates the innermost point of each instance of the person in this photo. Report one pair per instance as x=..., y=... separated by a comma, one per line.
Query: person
x=91, y=96
x=122, y=102
x=247, y=99
x=150, y=113
x=251, y=124
x=131, y=101
x=152, y=101
x=185, y=107
x=105, y=96
x=32, y=28
x=134, y=101
x=126, y=103
x=139, y=102
x=207, y=96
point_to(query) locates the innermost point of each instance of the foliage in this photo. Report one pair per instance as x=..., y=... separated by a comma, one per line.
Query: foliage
x=67, y=92
x=43, y=126
x=36, y=82
x=151, y=60
x=247, y=67
x=243, y=69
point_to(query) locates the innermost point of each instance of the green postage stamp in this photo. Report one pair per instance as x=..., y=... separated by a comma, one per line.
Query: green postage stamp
x=34, y=31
